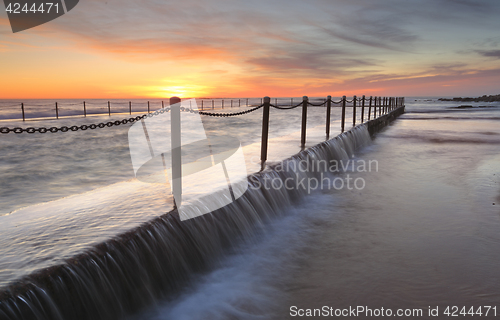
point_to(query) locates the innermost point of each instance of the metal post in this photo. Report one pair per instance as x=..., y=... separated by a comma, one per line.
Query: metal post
x=363, y=109
x=57, y=112
x=291, y=102
x=354, y=101
x=239, y=102
x=328, y=112
x=148, y=106
x=222, y=103
x=175, y=141
x=109, y=108
x=370, y=108
x=342, y=125
x=84, y=109
x=22, y=109
x=265, y=131
x=212, y=104
x=130, y=107
x=201, y=105
x=305, y=99
x=374, y=107
x=162, y=105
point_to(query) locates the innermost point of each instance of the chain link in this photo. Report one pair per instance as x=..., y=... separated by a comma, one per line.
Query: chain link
x=317, y=105
x=83, y=127
x=301, y=103
x=203, y=113
x=286, y=108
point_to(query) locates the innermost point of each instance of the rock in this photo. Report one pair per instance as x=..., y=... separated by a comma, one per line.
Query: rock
x=484, y=98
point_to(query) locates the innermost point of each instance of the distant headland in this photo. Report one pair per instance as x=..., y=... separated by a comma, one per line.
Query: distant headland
x=484, y=98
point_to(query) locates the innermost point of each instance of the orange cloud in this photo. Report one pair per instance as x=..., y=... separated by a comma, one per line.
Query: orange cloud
x=118, y=49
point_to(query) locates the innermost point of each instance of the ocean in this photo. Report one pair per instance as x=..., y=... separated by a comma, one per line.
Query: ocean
x=421, y=233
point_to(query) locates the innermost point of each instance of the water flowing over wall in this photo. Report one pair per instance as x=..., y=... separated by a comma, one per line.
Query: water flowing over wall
x=157, y=259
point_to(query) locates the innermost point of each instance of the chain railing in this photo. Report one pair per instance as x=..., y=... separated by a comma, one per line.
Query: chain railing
x=385, y=105
x=379, y=105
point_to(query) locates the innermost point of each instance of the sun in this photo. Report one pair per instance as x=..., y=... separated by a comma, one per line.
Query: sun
x=180, y=90
x=177, y=91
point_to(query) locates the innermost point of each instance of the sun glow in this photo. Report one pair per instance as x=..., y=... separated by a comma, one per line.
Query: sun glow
x=180, y=90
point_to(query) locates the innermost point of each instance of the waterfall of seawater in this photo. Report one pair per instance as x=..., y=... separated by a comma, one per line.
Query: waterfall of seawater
x=155, y=260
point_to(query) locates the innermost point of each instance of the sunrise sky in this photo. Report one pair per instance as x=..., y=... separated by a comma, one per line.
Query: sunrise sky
x=253, y=48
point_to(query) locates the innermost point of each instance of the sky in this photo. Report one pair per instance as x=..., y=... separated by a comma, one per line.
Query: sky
x=252, y=48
